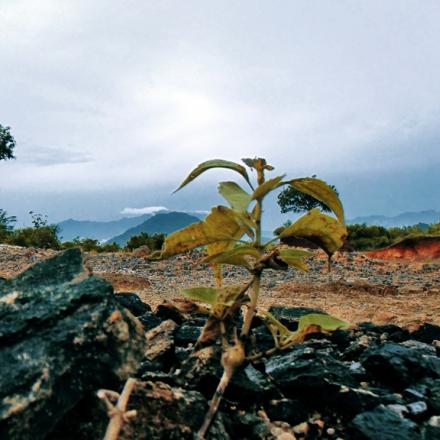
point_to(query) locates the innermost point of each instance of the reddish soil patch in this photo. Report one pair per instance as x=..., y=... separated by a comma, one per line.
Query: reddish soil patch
x=419, y=248
x=123, y=282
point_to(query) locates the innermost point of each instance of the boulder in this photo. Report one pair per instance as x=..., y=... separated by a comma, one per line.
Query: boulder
x=63, y=335
x=133, y=303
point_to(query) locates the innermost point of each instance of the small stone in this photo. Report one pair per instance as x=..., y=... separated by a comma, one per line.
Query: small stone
x=417, y=408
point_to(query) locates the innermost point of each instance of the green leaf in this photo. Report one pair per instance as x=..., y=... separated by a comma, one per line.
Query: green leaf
x=325, y=322
x=266, y=187
x=215, y=163
x=321, y=229
x=234, y=256
x=321, y=191
x=237, y=197
x=283, y=331
x=205, y=294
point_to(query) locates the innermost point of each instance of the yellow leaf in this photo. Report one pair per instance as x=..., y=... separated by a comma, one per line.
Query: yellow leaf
x=321, y=191
x=266, y=187
x=294, y=253
x=324, y=322
x=296, y=262
x=321, y=229
x=237, y=197
x=215, y=163
x=234, y=256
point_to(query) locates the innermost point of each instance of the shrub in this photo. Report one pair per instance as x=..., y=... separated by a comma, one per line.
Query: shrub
x=154, y=241
x=223, y=233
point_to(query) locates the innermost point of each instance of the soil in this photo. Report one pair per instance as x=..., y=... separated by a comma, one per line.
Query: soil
x=359, y=288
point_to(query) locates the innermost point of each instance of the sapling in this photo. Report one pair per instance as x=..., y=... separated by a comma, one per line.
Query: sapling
x=232, y=236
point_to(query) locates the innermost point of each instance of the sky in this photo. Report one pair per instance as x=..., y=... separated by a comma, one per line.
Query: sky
x=112, y=103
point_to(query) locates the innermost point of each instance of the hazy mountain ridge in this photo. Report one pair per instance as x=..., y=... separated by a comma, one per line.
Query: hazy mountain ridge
x=71, y=229
x=403, y=219
x=158, y=224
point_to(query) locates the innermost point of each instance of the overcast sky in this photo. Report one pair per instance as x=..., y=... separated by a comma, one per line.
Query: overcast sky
x=113, y=102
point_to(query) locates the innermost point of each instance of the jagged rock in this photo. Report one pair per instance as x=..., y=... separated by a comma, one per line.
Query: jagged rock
x=168, y=310
x=382, y=423
x=292, y=411
x=167, y=413
x=160, y=344
x=62, y=335
x=187, y=334
x=398, y=366
x=427, y=333
x=434, y=397
x=431, y=430
x=133, y=303
x=309, y=372
x=149, y=320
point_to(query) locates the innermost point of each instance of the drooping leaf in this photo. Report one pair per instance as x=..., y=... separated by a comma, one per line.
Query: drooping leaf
x=283, y=331
x=215, y=163
x=266, y=187
x=237, y=197
x=321, y=191
x=223, y=222
x=234, y=256
x=323, y=230
x=294, y=253
x=205, y=294
x=296, y=262
x=324, y=322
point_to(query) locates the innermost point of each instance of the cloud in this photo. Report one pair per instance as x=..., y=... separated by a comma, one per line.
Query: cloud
x=145, y=210
x=42, y=155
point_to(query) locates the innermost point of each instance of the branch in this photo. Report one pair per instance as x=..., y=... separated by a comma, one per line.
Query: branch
x=118, y=414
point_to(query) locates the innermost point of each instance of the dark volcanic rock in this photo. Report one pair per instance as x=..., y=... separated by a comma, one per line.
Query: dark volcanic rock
x=309, y=372
x=292, y=411
x=187, y=334
x=168, y=310
x=160, y=345
x=427, y=333
x=164, y=413
x=62, y=335
x=133, y=303
x=398, y=366
x=384, y=424
x=149, y=320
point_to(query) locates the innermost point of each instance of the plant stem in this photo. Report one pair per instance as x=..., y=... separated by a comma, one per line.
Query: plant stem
x=252, y=306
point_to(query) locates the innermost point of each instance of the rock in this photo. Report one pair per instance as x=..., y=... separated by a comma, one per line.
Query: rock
x=420, y=347
x=62, y=336
x=166, y=413
x=289, y=316
x=310, y=373
x=250, y=385
x=431, y=430
x=160, y=344
x=149, y=320
x=141, y=251
x=292, y=411
x=434, y=397
x=382, y=423
x=427, y=333
x=187, y=334
x=245, y=425
x=398, y=366
x=133, y=303
x=168, y=310
x=417, y=409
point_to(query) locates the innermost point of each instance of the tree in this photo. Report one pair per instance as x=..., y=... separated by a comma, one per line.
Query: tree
x=7, y=143
x=291, y=199
x=6, y=225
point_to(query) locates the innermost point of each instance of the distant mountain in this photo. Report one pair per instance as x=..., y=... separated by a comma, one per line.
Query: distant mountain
x=158, y=224
x=70, y=229
x=404, y=219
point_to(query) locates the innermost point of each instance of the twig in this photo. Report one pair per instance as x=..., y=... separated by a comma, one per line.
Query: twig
x=118, y=414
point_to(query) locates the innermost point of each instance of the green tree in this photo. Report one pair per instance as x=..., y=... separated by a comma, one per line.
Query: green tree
x=293, y=200
x=7, y=143
x=6, y=225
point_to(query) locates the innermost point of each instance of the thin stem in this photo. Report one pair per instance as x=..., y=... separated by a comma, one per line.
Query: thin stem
x=252, y=306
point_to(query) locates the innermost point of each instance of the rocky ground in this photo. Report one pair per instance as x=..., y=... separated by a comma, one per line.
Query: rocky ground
x=359, y=288
x=369, y=382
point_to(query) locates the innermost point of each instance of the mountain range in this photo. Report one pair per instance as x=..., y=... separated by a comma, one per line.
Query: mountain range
x=158, y=224
x=403, y=219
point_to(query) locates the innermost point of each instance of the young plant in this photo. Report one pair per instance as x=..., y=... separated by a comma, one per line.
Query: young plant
x=223, y=232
